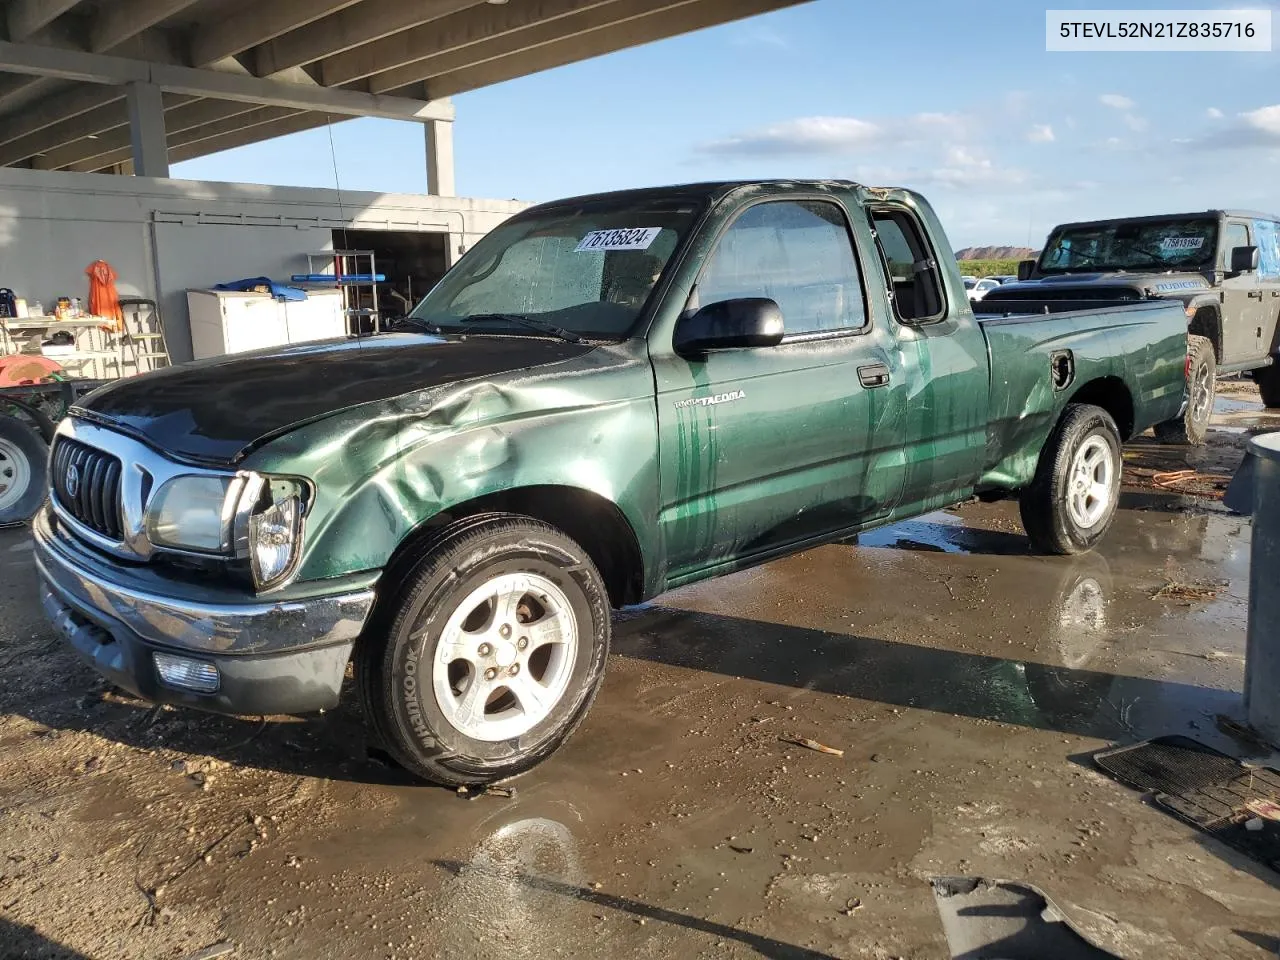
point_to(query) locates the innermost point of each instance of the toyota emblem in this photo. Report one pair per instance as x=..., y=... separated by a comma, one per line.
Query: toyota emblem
x=73, y=480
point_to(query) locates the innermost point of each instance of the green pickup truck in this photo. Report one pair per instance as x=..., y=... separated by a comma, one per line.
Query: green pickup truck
x=607, y=397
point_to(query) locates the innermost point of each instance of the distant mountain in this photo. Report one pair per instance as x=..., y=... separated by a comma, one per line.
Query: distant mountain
x=995, y=253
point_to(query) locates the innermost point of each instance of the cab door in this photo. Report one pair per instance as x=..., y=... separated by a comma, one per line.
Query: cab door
x=1242, y=304
x=941, y=354
x=768, y=446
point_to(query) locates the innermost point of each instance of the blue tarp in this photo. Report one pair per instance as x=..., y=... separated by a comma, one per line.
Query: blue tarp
x=278, y=290
x=1268, y=243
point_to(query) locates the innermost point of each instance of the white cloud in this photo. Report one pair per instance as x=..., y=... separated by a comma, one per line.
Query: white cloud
x=835, y=135
x=1135, y=123
x=1214, y=113
x=1265, y=120
x=1250, y=129
x=1041, y=133
x=803, y=135
x=1116, y=101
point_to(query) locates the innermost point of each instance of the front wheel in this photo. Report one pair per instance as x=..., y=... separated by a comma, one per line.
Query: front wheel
x=1202, y=384
x=492, y=653
x=1072, y=501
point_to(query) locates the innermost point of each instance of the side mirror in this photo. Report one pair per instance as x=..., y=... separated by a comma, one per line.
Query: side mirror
x=1024, y=269
x=1244, y=259
x=730, y=325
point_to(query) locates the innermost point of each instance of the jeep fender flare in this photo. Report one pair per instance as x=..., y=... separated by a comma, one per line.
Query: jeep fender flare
x=1204, y=318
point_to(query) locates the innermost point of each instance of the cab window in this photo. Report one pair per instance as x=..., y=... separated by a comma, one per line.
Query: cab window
x=911, y=268
x=1236, y=235
x=798, y=253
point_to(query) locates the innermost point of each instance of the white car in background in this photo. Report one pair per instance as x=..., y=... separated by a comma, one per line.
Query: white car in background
x=982, y=288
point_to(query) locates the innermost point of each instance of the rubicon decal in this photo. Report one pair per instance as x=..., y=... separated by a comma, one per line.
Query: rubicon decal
x=712, y=401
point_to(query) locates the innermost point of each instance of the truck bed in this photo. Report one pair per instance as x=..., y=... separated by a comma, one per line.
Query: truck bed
x=1080, y=355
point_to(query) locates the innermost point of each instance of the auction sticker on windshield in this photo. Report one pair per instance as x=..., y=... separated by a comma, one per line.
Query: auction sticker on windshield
x=622, y=238
x=1174, y=244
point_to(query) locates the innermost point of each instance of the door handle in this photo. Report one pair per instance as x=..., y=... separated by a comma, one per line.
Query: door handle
x=1255, y=294
x=873, y=375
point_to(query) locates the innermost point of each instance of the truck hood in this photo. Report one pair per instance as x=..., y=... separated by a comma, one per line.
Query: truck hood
x=1057, y=286
x=215, y=411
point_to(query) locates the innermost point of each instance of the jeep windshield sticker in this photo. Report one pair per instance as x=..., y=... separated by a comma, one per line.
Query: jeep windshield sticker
x=1169, y=286
x=624, y=238
x=712, y=401
x=1176, y=244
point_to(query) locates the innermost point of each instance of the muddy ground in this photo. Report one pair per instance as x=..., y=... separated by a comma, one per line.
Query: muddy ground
x=966, y=681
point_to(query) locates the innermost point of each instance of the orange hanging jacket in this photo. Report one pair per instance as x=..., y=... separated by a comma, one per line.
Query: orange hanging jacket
x=103, y=299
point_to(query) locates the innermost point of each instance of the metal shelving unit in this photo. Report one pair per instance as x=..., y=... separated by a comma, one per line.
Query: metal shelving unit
x=355, y=273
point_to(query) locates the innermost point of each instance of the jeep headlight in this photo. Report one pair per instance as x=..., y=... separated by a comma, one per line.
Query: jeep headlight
x=275, y=508
x=191, y=513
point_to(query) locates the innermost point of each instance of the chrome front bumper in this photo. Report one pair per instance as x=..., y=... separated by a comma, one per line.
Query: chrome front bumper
x=284, y=656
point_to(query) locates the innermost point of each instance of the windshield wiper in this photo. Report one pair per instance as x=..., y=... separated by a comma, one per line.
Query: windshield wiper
x=532, y=323
x=421, y=324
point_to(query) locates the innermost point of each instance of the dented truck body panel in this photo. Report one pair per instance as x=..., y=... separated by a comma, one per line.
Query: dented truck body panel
x=585, y=423
x=703, y=464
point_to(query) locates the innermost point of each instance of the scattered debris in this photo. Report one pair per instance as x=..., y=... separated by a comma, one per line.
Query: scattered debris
x=1266, y=809
x=812, y=745
x=851, y=907
x=471, y=793
x=1238, y=731
x=1254, y=825
x=1197, y=592
x=741, y=849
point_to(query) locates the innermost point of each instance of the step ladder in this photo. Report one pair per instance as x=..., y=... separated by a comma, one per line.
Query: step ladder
x=143, y=336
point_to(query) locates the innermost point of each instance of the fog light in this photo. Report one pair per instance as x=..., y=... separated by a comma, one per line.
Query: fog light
x=187, y=674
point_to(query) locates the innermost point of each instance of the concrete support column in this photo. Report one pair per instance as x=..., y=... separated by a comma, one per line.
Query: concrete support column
x=146, y=130
x=440, y=182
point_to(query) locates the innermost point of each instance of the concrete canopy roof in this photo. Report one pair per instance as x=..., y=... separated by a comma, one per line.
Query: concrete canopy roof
x=234, y=72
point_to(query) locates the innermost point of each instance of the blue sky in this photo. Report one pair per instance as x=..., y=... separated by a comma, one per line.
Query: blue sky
x=960, y=101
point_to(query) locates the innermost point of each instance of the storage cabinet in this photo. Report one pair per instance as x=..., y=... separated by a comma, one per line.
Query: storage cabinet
x=225, y=321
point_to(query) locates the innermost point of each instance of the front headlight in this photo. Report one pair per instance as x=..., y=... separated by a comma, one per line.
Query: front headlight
x=275, y=529
x=245, y=516
x=190, y=513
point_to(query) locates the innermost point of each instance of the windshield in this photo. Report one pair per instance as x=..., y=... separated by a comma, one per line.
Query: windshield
x=1176, y=244
x=587, y=270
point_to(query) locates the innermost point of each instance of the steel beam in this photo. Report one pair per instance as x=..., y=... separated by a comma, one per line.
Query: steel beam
x=105, y=69
x=255, y=23
x=123, y=20
x=658, y=26
x=25, y=17
x=470, y=26
x=179, y=118
x=349, y=28
x=561, y=30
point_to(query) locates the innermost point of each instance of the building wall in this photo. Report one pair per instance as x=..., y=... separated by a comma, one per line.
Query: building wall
x=166, y=236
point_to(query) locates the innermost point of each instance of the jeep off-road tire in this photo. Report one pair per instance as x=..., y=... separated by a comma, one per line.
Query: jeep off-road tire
x=1072, y=501
x=1268, y=381
x=1202, y=384
x=485, y=657
x=24, y=472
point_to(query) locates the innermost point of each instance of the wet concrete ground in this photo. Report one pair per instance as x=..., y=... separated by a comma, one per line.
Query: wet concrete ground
x=966, y=680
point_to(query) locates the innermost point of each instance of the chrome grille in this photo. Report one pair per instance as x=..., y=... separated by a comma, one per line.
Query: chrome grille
x=86, y=483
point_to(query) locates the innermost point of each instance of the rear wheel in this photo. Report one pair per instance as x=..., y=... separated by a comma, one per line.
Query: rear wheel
x=24, y=471
x=1072, y=501
x=493, y=650
x=1268, y=381
x=1202, y=384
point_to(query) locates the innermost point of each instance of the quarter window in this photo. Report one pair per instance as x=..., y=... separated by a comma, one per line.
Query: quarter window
x=913, y=274
x=797, y=253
